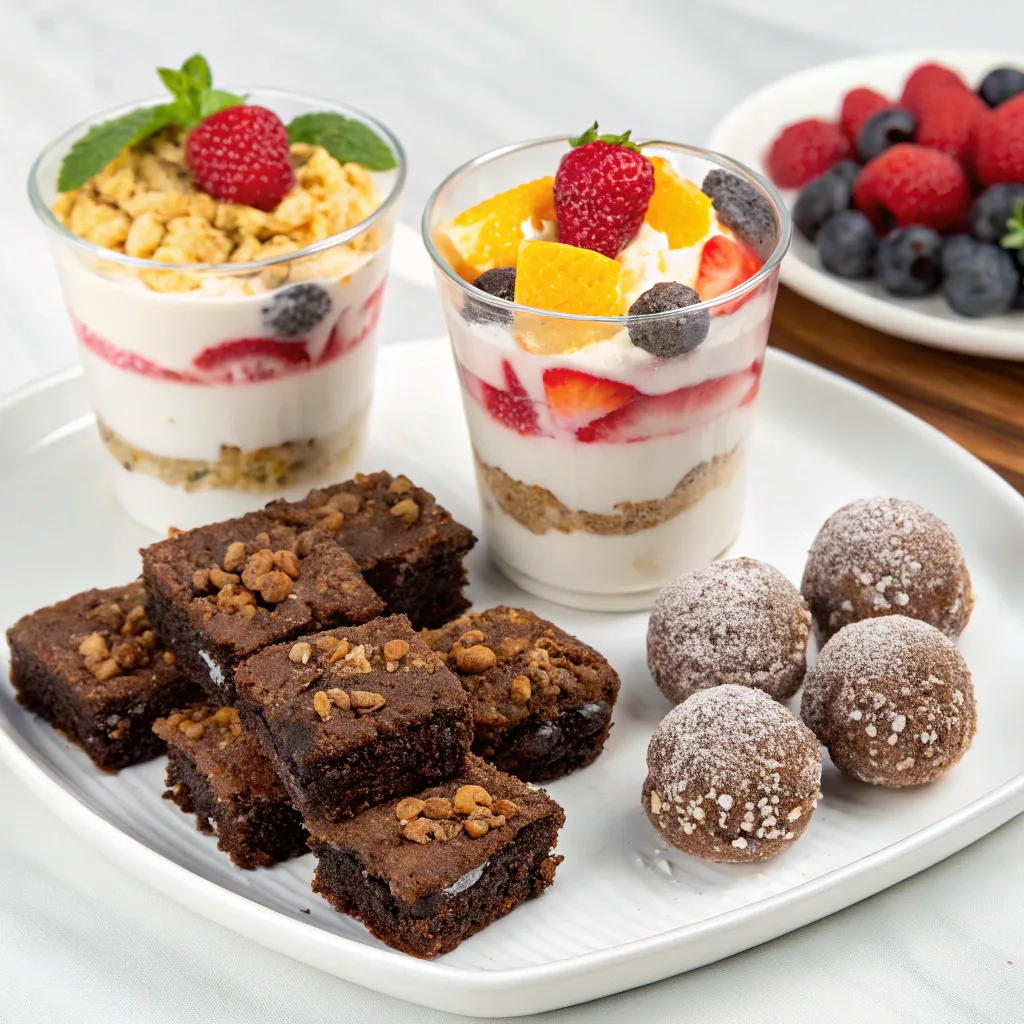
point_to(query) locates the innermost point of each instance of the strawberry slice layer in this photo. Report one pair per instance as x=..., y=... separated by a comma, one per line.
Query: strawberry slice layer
x=577, y=398
x=725, y=263
x=512, y=408
x=675, y=412
x=250, y=360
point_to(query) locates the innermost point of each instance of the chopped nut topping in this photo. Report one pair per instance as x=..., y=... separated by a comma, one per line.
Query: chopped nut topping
x=234, y=557
x=274, y=586
x=333, y=522
x=125, y=654
x=193, y=730
x=135, y=621
x=407, y=510
x=344, y=502
x=473, y=660
x=339, y=652
x=410, y=807
x=305, y=542
x=288, y=563
x=396, y=650
x=365, y=701
x=106, y=669
x=300, y=653
x=326, y=643
x=363, y=482
x=513, y=645
x=339, y=698
x=201, y=580
x=438, y=808
x=219, y=578
x=94, y=644
x=504, y=808
x=468, y=798
x=476, y=829
x=473, y=636
x=169, y=658
x=422, y=830
x=400, y=485
x=147, y=638
x=248, y=611
x=258, y=565
x=356, y=659
x=520, y=690
x=322, y=704
x=108, y=615
x=231, y=599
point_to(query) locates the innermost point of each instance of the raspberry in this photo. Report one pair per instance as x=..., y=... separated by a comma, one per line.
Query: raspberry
x=999, y=147
x=909, y=184
x=858, y=105
x=241, y=155
x=602, y=190
x=948, y=117
x=804, y=150
x=925, y=78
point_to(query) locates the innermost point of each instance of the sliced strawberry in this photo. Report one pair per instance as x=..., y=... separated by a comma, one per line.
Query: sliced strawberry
x=577, y=398
x=250, y=360
x=513, y=408
x=674, y=412
x=130, y=362
x=725, y=263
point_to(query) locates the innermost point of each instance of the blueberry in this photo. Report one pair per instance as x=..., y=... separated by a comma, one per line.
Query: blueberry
x=992, y=209
x=500, y=282
x=885, y=129
x=743, y=209
x=909, y=261
x=984, y=284
x=675, y=335
x=956, y=250
x=824, y=196
x=1000, y=85
x=847, y=244
x=295, y=311
x=847, y=170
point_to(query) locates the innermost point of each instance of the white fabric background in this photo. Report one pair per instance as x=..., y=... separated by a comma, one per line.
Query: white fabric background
x=79, y=940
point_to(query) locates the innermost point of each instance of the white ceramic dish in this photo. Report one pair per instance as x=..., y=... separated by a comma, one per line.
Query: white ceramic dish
x=624, y=910
x=749, y=128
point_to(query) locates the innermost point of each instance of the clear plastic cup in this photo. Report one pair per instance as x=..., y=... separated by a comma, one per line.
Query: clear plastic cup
x=219, y=386
x=602, y=511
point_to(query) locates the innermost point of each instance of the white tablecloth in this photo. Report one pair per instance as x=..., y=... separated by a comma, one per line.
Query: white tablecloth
x=79, y=940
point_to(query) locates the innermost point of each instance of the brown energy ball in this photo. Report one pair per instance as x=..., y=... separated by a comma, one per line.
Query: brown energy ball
x=886, y=556
x=731, y=775
x=892, y=699
x=738, y=621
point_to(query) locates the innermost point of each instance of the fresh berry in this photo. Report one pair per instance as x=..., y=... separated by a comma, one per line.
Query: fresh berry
x=674, y=412
x=602, y=189
x=499, y=282
x=804, y=150
x=488, y=235
x=725, y=263
x=908, y=261
x=295, y=311
x=923, y=80
x=948, y=119
x=130, y=362
x=241, y=155
x=909, y=184
x=511, y=406
x=884, y=129
x=744, y=210
x=858, y=105
x=250, y=360
x=671, y=336
x=986, y=284
x=956, y=250
x=847, y=170
x=576, y=398
x=999, y=149
x=824, y=196
x=678, y=208
x=847, y=244
x=1000, y=85
x=993, y=209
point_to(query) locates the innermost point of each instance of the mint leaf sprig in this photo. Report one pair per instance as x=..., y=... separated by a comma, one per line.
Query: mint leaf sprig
x=347, y=140
x=193, y=99
x=1014, y=237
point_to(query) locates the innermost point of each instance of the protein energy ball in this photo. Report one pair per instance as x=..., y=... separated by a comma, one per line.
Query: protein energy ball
x=731, y=775
x=886, y=556
x=738, y=621
x=892, y=699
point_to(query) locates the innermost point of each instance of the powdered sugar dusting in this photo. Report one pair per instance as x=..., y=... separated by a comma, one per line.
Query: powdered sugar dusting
x=738, y=621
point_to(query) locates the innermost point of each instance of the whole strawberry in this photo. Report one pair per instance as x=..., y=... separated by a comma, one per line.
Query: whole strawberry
x=999, y=150
x=602, y=190
x=241, y=155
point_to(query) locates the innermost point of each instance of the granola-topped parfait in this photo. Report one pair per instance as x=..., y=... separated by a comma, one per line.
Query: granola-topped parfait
x=608, y=306
x=223, y=259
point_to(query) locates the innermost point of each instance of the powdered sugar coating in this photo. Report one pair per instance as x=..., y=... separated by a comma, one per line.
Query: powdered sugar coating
x=738, y=621
x=731, y=775
x=893, y=701
x=887, y=556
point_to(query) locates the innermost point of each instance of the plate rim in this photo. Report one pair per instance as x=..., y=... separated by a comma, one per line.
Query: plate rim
x=953, y=335
x=574, y=979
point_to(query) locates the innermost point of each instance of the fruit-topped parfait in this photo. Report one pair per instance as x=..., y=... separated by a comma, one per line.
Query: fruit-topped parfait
x=608, y=305
x=223, y=259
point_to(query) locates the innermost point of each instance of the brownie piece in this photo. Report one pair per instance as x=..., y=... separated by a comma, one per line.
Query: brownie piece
x=427, y=872
x=220, y=593
x=94, y=669
x=542, y=700
x=355, y=716
x=217, y=771
x=408, y=547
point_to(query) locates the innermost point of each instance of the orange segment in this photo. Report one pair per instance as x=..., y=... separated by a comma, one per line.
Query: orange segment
x=678, y=207
x=488, y=235
x=564, y=279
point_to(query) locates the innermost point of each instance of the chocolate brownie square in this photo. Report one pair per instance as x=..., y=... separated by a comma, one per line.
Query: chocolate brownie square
x=94, y=669
x=217, y=771
x=220, y=593
x=408, y=547
x=355, y=716
x=425, y=873
x=542, y=700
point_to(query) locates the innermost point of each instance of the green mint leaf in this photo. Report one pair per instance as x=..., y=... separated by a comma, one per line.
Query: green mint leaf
x=180, y=85
x=591, y=135
x=348, y=141
x=196, y=67
x=103, y=142
x=214, y=100
x=1014, y=237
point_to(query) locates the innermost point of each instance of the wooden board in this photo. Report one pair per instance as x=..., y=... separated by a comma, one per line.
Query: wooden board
x=977, y=402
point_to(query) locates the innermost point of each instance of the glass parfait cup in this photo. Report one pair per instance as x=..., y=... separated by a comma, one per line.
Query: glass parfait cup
x=600, y=511
x=220, y=386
